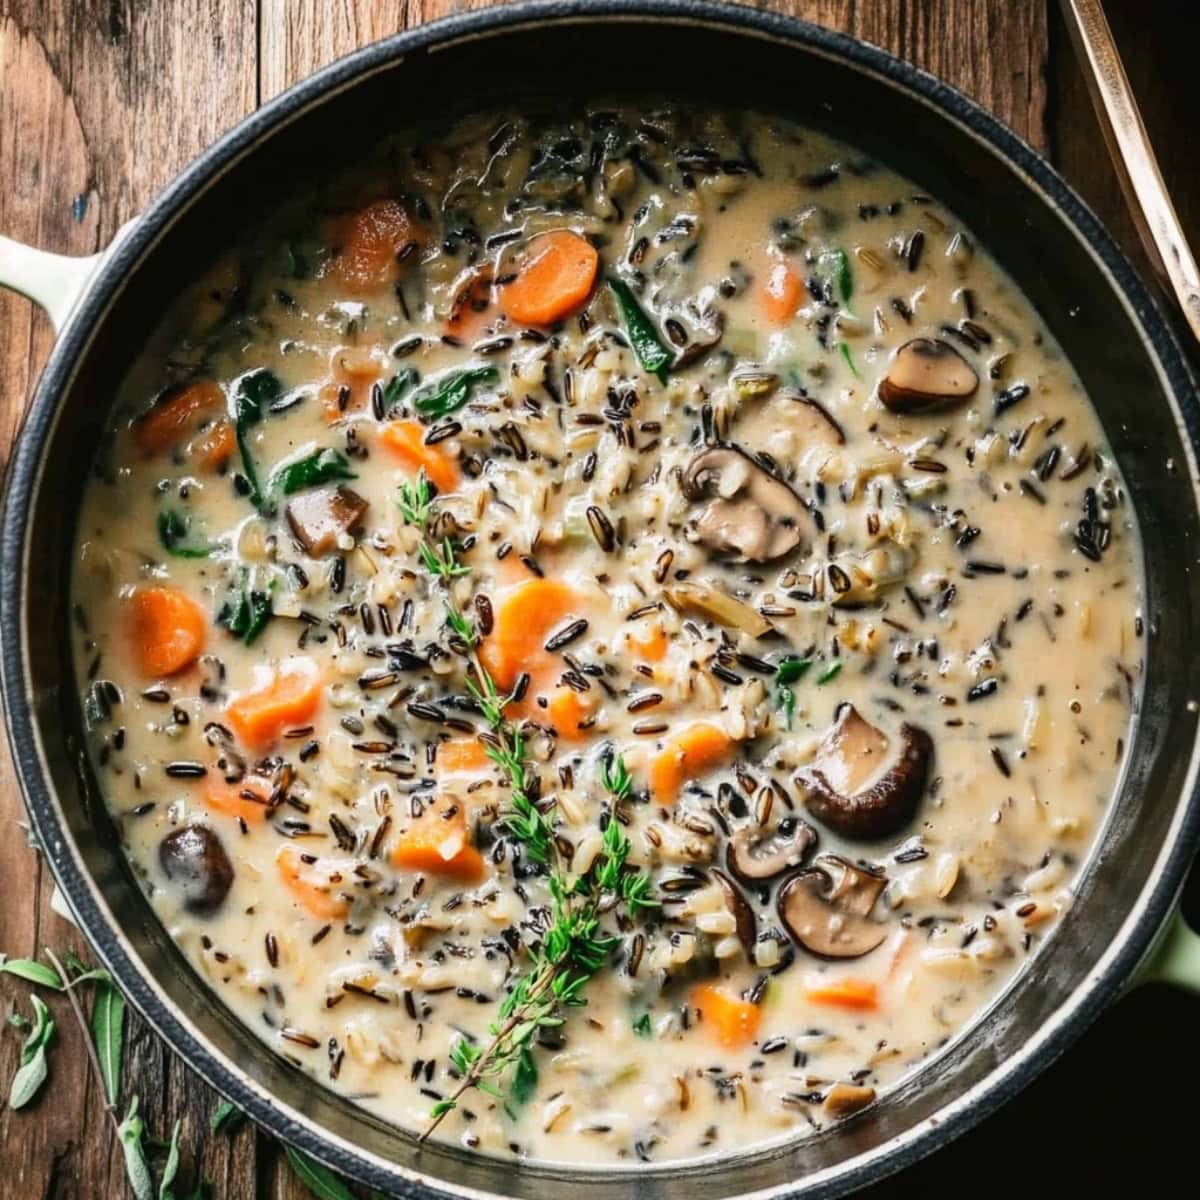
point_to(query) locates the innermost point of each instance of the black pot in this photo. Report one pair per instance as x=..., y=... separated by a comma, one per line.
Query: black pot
x=1053, y=246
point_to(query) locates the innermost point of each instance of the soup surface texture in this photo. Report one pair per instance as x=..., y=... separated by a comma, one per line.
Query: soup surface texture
x=610, y=634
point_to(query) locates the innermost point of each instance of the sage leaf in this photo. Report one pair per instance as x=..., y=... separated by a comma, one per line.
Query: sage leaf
x=225, y=1114
x=166, y=1185
x=108, y=1031
x=28, y=1079
x=137, y=1169
x=32, y=971
x=643, y=337
x=319, y=1180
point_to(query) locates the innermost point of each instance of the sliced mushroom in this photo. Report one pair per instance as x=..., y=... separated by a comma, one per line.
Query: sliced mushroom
x=751, y=514
x=194, y=859
x=858, y=579
x=861, y=784
x=743, y=914
x=827, y=909
x=717, y=606
x=843, y=1099
x=815, y=424
x=318, y=517
x=753, y=856
x=927, y=374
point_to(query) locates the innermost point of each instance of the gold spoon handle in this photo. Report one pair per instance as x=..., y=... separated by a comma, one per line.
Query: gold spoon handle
x=1153, y=213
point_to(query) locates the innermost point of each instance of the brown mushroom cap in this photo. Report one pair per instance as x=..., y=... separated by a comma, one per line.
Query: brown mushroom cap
x=817, y=427
x=194, y=859
x=317, y=517
x=860, y=784
x=751, y=514
x=927, y=374
x=743, y=914
x=827, y=908
x=753, y=856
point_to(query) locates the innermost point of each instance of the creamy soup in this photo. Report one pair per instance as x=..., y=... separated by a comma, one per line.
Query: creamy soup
x=608, y=637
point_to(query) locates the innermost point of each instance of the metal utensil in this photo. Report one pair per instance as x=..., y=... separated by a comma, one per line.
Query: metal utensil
x=1133, y=156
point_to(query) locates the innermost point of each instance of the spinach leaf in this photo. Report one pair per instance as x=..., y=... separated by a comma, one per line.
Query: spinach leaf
x=642, y=1026
x=173, y=531
x=246, y=615
x=251, y=393
x=321, y=467
x=398, y=386
x=643, y=336
x=448, y=394
x=791, y=668
x=843, y=277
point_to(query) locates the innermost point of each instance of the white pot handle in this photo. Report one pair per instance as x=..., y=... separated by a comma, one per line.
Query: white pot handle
x=55, y=281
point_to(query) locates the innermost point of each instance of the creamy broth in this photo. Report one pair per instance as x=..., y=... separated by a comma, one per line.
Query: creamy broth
x=805, y=520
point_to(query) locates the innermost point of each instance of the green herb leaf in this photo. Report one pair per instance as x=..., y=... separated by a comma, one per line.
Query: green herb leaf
x=642, y=1026
x=398, y=387
x=108, y=1032
x=34, y=1065
x=790, y=669
x=655, y=358
x=166, y=1185
x=449, y=393
x=173, y=530
x=32, y=971
x=137, y=1169
x=842, y=275
x=829, y=673
x=785, y=698
x=225, y=1115
x=525, y=1077
x=848, y=357
x=319, y=1180
x=246, y=616
x=322, y=467
x=251, y=392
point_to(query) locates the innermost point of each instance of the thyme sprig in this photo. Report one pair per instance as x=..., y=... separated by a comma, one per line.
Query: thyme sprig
x=573, y=947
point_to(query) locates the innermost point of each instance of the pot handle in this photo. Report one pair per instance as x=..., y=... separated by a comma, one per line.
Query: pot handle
x=54, y=281
x=1176, y=959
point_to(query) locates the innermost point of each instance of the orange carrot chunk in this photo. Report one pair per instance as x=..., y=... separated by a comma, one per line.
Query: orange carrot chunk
x=216, y=445
x=568, y=710
x=282, y=698
x=168, y=630
x=436, y=843
x=369, y=242
x=406, y=440
x=317, y=886
x=246, y=799
x=687, y=755
x=859, y=994
x=731, y=1020
x=461, y=756
x=527, y=614
x=782, y=294
x=651, y=647
x=175, y=413
x=554, y=280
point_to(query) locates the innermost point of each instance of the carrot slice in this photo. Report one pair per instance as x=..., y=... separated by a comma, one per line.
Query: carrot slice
x=406, y=440
x=168, y=630
x=313, y=885
x=436, y=843
x=246, y=799
x=554, y=281
x=527, y=614
x=461, y=756
x=215, y=446
x=174, y=413
x=652, y=647
x=859, y=994
x=782, y=294
x=568, y=710
x=688, y=754
x=369, y=242
x=281, y=698
x=733, y=1021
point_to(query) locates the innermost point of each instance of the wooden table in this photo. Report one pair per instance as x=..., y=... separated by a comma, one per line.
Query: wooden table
x=102, y=101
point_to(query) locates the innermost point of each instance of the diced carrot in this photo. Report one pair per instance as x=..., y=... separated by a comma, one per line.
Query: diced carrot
x=215, y=446
x=651, y=647
x=858, y=994
x=406, y=440
x=313, y=885
x=246, y=799
x=688, y=754
x=282, y=697
x=782, y=294
x=567, y=711
x=461, y=756
x=174, y=413
x=436, y=843
x=733, y=1021
x=527, y=614
x=369, y=242
x=168, y=630
x=554, y=280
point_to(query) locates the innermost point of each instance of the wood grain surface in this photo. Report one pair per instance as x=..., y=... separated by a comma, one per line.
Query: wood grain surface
x=103, y=101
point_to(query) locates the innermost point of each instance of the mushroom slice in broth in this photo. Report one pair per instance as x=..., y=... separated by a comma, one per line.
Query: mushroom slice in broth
x=827, y=909
x=927, y=374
